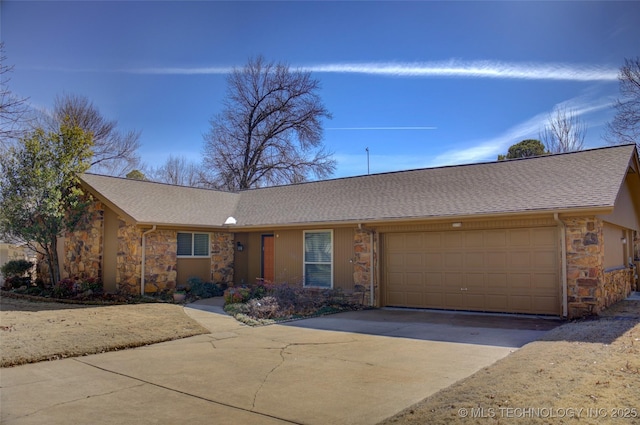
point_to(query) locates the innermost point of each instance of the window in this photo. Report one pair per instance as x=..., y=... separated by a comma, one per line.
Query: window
x=193, y=244
x=318, y=258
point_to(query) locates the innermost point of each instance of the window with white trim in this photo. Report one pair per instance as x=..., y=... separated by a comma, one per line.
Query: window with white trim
x=193, y=244
x=318, y=258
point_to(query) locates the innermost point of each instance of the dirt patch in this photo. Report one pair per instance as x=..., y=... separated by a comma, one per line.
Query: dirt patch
x=36, y=331
x=585, y=372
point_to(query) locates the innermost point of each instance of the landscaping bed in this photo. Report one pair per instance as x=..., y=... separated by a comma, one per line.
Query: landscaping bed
x=267, y=303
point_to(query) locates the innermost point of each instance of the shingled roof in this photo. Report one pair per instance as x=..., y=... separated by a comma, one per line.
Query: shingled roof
x=571, y=181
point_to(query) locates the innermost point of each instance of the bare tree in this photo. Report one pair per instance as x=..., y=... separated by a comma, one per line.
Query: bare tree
x=179, y=171
x=564, y=132
x=14, y=110
x=269, y=131
x=114, y=153
x=625, y=127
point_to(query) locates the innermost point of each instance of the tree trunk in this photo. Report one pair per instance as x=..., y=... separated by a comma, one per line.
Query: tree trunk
x=52, y=260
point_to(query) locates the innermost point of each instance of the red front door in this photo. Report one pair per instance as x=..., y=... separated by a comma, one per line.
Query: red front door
x=268, y=258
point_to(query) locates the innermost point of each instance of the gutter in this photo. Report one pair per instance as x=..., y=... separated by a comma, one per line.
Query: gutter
x=144, y=251
x=563, y=243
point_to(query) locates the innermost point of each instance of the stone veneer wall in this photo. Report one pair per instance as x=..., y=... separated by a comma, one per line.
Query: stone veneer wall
x=160, y=261
x=129, y=258
x=222, y=257
x=585, y=259
x=83, y=248
x=364, y=253
x=617, y=286
x=591, y=289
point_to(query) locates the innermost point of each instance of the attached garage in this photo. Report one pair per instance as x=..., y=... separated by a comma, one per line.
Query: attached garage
x=512, y=270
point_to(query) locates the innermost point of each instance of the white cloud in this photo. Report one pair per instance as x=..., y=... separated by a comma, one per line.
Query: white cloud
x=451, y=69
x=381, y=128
x=476, y=69
x=488, y=150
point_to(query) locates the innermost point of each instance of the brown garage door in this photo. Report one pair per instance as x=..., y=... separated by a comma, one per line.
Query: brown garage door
x=503, y=270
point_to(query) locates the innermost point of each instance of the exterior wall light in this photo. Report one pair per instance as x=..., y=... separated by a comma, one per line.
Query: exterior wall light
x=239, y=247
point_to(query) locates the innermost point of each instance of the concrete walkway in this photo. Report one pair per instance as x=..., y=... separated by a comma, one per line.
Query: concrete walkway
x=297, y=373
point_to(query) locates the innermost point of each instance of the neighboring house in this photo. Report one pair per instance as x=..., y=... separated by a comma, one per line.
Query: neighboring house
x=546, y=235
x=9, y=252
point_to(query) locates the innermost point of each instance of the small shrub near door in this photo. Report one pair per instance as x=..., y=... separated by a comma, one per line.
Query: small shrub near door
x=201, y=289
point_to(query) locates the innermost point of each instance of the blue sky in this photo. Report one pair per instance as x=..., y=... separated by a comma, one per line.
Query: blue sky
x=420, y=84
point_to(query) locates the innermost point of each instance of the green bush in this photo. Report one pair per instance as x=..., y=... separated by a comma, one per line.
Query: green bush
x=201, y=289
x=17, y=273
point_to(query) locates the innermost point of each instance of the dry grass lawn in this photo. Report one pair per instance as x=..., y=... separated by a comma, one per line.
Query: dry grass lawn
x=593, y=365
x=36, y=331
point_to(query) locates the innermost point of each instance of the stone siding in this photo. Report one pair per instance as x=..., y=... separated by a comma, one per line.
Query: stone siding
x=83, y=248
x=160, y=261
x=617, y=286
x=222, y=257
x=585, y=258
x=129, y=258
x=364, y=254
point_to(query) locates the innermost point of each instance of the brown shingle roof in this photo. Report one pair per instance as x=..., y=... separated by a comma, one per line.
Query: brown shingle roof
x=585, y=179
x=158, y=203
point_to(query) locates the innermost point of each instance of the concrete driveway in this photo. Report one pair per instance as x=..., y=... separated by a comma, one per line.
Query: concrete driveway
x=351, y=368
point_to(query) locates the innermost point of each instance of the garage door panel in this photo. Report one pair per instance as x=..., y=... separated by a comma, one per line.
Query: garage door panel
x=433, y=261
x=545, y=305
x=520, y=237
x=453, y=260
x=414, y=280
x=497, y=282
x=395, y=260
x=432, y=240
x=474, y=281
x=520, y=259
x=453, y=301
x=495, y=238
x=394, y=242
x=544, y=237
x=396, y=298
x=474, y=240
x=413, y=242
x=510, y=270
x=474, y=260
x=519, y=281
x=496, y=260
x=415, y=299
x=545, y=259
x=412, y=260
x=496, y=302
x=452, y=240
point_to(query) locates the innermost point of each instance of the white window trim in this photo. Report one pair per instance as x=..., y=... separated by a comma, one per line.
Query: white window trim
x=304, y=260
x=193, y=243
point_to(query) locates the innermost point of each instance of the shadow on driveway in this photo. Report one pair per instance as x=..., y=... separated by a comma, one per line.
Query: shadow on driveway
x=461, y=327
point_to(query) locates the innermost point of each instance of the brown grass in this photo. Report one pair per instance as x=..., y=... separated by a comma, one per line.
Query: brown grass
x=36, y=331
x=593, y=365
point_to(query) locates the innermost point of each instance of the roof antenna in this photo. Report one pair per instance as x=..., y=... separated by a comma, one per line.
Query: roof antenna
x=367, y=149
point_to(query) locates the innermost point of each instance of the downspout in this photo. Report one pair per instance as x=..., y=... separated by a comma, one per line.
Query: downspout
x=144, y=250
x=563, y=243
x=372, y=268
